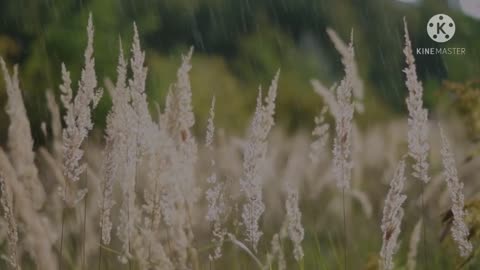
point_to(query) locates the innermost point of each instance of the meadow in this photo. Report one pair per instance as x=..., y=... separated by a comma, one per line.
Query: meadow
x=150, y=192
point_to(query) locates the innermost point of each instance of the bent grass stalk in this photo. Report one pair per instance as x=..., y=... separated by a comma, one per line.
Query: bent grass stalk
x=242, y=246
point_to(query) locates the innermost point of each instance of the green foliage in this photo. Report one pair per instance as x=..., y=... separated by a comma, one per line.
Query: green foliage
x=237, y=44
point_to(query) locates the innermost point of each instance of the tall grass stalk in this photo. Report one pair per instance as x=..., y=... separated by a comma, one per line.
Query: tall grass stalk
x=342, y=149
x=418, y=145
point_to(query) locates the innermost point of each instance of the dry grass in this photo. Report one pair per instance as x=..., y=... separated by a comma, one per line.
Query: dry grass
x=151, y=197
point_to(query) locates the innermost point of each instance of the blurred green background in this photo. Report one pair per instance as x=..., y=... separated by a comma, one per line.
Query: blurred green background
x=239, y=44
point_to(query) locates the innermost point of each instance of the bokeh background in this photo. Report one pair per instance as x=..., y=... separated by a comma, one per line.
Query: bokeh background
x=239, y=44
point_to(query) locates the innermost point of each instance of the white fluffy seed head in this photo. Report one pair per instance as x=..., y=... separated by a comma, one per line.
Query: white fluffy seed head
x=413, y=246
x=418, y=146
x=460, y=231
x=216, y=212
x=118, y=135
x=20, y=141
x=392, y=217
x=78, y=119
x=254, y=155
x=342, y=160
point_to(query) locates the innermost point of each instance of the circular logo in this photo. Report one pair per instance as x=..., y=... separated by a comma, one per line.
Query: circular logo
x=441, y=28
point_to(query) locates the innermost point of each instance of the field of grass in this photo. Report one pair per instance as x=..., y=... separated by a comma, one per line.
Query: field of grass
x=148, y=192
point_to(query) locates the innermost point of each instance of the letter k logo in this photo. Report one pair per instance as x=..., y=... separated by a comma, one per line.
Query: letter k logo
x=441, y=28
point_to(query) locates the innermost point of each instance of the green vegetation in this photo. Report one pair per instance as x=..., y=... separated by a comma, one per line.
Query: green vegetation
x=238, y=45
